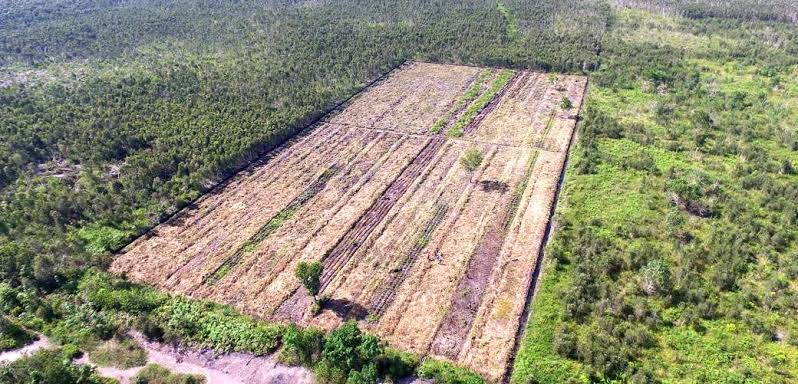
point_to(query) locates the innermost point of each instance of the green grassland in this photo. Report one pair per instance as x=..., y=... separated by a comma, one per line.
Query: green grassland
x=635, y=289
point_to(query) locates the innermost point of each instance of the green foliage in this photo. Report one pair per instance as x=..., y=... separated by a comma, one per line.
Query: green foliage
x=117, y=294
x=101, y=239
x=47, y=366
x=70, y=351
x=480, y=103
x=471, y=159
x=301, y=346
x=566, y=103
x=156, y=374
x=217, y=327
x=309, y=274
x=666, y=265
x=396, y=364
x=12, y=336
x=447, y=373
x=349, y=355
x=510, y=20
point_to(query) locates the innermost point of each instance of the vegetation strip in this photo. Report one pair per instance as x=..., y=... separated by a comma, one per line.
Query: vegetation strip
x=524, y=319
x=466, y=122
x=272, y=225
x=462, y=102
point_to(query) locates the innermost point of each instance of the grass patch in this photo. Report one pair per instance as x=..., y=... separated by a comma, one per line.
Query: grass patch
x=444, y=372
x=156, y=374
x=537, y=361
x=119, y=353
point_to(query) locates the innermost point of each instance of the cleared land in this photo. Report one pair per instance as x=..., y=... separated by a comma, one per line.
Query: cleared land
x=433, y=257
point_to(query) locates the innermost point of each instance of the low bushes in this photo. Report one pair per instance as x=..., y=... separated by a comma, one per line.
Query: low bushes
x=47, y=366
x=12, y=335
x=345, y=355
x=447, y=373
x=156, y=374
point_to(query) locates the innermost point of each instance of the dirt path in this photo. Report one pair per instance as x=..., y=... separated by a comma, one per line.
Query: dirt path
x=16, y=354
x=230, y=368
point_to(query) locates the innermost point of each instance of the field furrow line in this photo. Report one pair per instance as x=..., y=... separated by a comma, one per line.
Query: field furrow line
x=385, y=297
x=288, y=154
x=289, y=306
x=352, y=240
x=352, y=150
x=346, y=284
x=392, y=316
x=269, y=270
x=470, y=290
x=230, y=233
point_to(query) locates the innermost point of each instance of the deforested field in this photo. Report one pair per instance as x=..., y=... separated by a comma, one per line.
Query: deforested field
x=434, y=257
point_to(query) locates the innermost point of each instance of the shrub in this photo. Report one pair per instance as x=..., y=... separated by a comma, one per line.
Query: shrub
x=309, y=274
x=566, y=103
x=216, y=326
x=655, y=278
x=447, y=373
x=156, y=374
x=471, y=160
x=12, y=335
x=366, y=375
x=47, y=366
x=395, y=364
x=301, y=346
x=71, y=351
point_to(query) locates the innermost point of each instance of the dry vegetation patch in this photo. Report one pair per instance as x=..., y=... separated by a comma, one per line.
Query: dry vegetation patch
x=428, y=240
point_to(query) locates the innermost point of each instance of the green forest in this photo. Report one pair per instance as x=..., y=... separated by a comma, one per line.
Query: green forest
x=675, y=257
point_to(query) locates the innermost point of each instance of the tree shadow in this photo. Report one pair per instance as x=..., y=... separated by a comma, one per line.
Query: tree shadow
x=494, y=186
x=346, y=309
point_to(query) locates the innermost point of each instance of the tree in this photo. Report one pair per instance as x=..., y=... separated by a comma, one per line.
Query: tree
x=566, y=103
x=471, y=160
x=310, y=276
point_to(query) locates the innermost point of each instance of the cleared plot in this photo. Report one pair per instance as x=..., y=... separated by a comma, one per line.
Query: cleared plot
x=410, y=99
x=433, y=256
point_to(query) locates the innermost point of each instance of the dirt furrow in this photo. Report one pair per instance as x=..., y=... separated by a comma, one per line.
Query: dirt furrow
x=469, y=293
x=273, y=258
x=279, y=299
x=341, y=254
x=236, y=224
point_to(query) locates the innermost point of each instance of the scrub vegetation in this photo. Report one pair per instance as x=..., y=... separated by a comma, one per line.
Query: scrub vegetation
x=674, y=260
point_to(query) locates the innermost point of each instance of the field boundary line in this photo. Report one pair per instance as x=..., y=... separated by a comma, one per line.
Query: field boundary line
x=550, y=226
x=226, y=179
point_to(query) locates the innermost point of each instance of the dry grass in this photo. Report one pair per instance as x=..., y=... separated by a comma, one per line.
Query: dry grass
x=410, y=266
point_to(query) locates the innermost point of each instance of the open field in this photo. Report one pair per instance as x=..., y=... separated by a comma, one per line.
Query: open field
x=433, y=257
